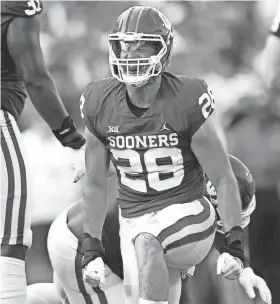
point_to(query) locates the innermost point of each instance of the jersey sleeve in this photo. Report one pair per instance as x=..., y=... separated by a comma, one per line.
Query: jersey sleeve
x=88, y=102
x=275, y=27
x=21, y=8
x=201, y=107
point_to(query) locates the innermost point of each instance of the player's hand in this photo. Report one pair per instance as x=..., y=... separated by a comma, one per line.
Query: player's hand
x=77, y=158
x=94, y=272
x=250, y=281
x=229, y=266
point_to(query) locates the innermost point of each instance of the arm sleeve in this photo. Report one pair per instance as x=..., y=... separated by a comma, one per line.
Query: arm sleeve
x=203, y=106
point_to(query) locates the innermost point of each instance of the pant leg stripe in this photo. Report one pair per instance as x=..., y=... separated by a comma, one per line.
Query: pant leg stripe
x=78, y=269
x=186, y=221
x=23, y=197
x=195, y=237
x=11, y=190
x=101, y=295
x=79, y=276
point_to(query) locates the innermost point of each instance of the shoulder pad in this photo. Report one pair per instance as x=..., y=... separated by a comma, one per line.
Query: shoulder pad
x=21, y=8
x=93, y=98
x=199, y=102
x=95, y=95
x=199, y=95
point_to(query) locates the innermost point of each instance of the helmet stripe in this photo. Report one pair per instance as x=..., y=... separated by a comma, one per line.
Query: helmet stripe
x=138, y=19
x=126, y=25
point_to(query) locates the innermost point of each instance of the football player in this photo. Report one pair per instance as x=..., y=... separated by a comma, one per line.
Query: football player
x=268, y=62
x=23, y=69
x=215, y=288
x=157, y=130
x=265, y=227
x=64, y=247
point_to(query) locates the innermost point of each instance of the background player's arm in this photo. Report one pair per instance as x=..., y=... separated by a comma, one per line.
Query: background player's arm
x=23, y=39
x=210, y=152
x=95, y=185
x=268, y=61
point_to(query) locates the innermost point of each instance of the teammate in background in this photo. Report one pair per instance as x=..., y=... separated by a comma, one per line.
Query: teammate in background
x=264, y=230
x=23, y=68
x=157, y=130
x=64, y=241
x=215, y=288
x=268, y=62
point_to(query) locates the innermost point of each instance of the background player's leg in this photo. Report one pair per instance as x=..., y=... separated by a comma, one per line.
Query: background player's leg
x=43, y=293
x=130, y=272
x=62, y=249
x=175, y=286
x=12, y=281
x=64, y=252
x=15, y=233
x=205, y=287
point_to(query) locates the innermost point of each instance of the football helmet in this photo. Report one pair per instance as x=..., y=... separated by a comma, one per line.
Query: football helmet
x=135, y=27
x=246, y=187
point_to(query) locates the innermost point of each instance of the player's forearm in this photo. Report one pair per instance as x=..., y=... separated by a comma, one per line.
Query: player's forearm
x=94, y=209
x=229, y=202
x=46, y=100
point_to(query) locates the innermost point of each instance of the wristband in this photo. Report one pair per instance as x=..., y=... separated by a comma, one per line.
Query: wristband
x=91, y=249
x=68, y=135
x=235, y=245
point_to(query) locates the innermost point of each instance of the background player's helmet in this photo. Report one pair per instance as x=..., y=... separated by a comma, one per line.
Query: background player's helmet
x=246, y=186
x=140, y=25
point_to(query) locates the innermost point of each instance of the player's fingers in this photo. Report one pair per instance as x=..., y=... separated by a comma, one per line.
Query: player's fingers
x=264, y=292
x=232, y=266
x=92, y=282
x=233, y=273
x=220, y=263
x=102, y=277
x=91, y=278
x=232, y=276
x=248, y=288
x=78, y=176
x=76, y=179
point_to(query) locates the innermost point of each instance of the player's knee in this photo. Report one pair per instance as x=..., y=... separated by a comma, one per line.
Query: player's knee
x=147, y=245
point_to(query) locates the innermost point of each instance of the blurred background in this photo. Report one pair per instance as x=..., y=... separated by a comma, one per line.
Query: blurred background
x=217, y=41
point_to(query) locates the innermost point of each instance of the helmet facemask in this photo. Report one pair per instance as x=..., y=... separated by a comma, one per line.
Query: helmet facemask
x=135, y=71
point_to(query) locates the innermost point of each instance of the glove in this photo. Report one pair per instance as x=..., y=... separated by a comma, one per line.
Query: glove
x=249, y=280
x=231, y=267
x=77, y=158
x=68, y=135
x=93, y=253
x=94, y=272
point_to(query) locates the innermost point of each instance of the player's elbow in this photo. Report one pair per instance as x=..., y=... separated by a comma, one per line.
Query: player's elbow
x=36, y=81
x=34, y=73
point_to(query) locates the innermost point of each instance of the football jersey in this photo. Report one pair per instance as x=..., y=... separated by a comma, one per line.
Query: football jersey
x=151, y=153
x=13, y=91
x=275, y=27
